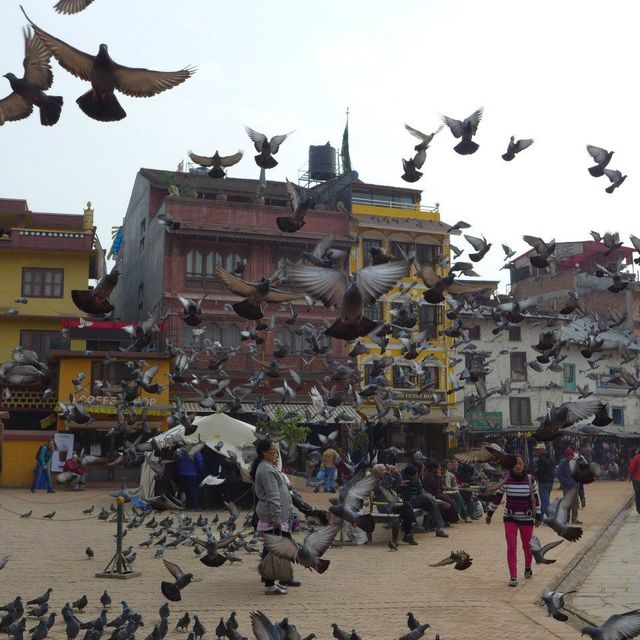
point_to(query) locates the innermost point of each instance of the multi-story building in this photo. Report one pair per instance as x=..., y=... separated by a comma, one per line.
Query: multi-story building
x=225, y=222
x=574, y=269
x=44, y=256
x=394, y=219
x=518, y=394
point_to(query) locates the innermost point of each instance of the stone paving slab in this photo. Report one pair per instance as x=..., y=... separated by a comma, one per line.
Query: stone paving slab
x=368, y=588
x=613, y=584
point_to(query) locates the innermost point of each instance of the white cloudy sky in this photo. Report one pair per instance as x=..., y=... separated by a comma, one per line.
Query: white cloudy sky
x=562, y=72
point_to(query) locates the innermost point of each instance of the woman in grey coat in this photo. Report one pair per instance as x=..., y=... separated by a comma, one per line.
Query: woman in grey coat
x=273, y=507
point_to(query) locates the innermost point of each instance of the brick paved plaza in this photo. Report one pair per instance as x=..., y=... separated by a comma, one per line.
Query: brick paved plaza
x=367, y=588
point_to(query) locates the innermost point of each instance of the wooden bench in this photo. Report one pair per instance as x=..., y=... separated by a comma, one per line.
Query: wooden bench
x=391, y=520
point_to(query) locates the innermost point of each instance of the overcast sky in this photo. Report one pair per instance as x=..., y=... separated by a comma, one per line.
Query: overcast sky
x=562, y=72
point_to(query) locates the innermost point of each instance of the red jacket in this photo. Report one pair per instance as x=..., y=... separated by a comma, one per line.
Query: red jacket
x=634, y=468
x=73, y=467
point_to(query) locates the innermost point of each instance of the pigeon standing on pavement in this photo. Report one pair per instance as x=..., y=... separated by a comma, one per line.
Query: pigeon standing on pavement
x=29, y=91
x=106, y=76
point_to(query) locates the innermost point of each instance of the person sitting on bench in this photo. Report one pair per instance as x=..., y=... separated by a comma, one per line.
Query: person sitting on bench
x=386, y=491
x=413, y=492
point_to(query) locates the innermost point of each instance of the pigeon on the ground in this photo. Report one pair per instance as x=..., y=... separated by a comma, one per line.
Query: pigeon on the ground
x=460, y=560
x=28, y=91
x=106, y=76
x=185, y=620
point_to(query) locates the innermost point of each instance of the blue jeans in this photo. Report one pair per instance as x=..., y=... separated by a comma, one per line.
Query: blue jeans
x=41, y=474
x=329, y=478
x=545, y=492
x=636, y=490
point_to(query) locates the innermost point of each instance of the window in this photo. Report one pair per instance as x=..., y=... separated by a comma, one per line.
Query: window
x=212, y=332
x=473, y=404
x=143, y=226
x=374, y=312
x=617, y=413
x=403, y=377
x=367, y=373
x=230, y=335
x=398, y=248
x=520, y=411
x=612, y=380
x=569, y=376
x=474, y=362
x=518, y=366
x=427, y=253
x=515, y=335
x=42, y=283
x=432, y=377
x=290, y=339
x=474, y=332
x=42, y=341
x=429, y=317
x=140, y=300
x=194, y=263
x=367, y=245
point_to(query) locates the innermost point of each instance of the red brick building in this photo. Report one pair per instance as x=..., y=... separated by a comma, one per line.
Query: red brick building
x=221, y=222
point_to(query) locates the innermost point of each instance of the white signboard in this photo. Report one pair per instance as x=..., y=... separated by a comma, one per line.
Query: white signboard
x=64, y=450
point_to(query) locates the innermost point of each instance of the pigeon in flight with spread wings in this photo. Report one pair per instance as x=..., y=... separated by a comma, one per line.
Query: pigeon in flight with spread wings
x=106, y=76
x=437, y=285
x=460, y=560
x=266, y=148
x=254, y=293
x=29, y=91
x=602, y=157
x=299, y=202
x=620, y=626
x=516, y=147
x=216, y=162
x=96, y=301
x=171, y=590
x=465, y=130
x=538, y=551
x=558, y=517
x=70, y=7
x=309, y=553
x=350, y=293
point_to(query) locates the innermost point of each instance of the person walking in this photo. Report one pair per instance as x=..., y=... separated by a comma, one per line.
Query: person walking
x=274, y=506
x=521, y=513
x=634, y=476
x=545, y=468
x=567, y=483
x=330, y=460
x=42, y=470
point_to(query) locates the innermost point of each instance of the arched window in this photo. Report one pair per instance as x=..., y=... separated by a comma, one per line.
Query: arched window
x=213, y=259
x=194, y=263
x=230, y=335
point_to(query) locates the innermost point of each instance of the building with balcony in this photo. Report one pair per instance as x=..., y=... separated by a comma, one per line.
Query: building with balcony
x=223, y=222
x=394, y=219
x=518, y=394
x=43, y=257
x=574, y=270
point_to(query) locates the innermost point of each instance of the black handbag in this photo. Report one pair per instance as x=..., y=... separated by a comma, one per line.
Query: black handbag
x=273, y=567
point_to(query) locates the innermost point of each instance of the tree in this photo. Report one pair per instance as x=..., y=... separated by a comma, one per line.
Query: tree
x=285, y=425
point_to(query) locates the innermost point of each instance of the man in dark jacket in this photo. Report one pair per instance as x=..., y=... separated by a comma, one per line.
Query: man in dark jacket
x=386, y=490
x=544, y=471
x=567, y=483
x=413, y=491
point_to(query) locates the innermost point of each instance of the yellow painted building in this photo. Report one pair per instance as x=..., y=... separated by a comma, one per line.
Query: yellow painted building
x=394, y=219
x=43, y=256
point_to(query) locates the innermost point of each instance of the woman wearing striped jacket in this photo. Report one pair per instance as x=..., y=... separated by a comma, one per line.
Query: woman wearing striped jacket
x=521, y=512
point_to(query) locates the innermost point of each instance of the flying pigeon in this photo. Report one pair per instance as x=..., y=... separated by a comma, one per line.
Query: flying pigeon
x=106, y=76
x=28, y=91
